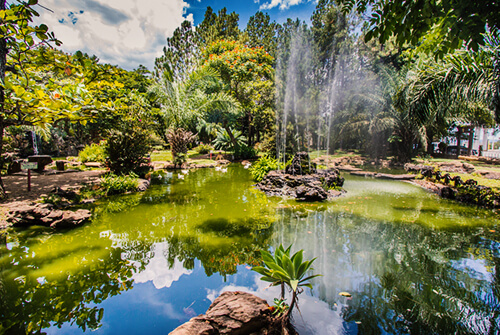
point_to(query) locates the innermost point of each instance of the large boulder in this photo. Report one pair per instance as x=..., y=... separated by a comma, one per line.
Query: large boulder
x=235, y=313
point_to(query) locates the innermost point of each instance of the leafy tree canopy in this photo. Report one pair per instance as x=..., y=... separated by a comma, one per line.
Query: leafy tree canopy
x=453, y=22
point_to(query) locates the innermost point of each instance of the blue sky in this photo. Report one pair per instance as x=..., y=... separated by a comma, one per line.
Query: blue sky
x=279, y=12
x=133, y=32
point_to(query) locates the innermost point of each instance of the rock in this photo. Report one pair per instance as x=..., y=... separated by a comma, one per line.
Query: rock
x=348, y=168
x=395, y=176
x=159, y=165
x=71, y=219
x=417, y=168
x=23, y=214
x=301, y=165
x=489, y=174
x=68, y=194
x=143, y=185
x=363, y=173
x=93, y=164
x=302, y=187
x=456, y=166
x=231, y=313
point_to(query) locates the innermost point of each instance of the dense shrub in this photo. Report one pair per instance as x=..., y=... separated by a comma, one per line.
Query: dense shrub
x=92, y=153
x=268, y=145
x=244, y=152
x=127, y=151
x=203, y=149
x=113, y=184
x=262, y=166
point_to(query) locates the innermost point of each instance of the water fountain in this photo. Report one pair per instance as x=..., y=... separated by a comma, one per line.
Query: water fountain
x=303, y=181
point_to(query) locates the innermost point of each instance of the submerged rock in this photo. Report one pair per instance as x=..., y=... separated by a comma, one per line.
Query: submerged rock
x=231, y=313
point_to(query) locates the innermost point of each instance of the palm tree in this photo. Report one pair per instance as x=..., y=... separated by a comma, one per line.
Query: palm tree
x=460, y=88
x=182, y=102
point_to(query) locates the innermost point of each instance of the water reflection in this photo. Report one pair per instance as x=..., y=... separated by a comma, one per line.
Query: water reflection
x=404, y=278
x=412, y=263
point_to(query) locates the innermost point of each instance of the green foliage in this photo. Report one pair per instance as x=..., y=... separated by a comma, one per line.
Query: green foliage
x=112, y=184
x=453, y=23
x=179, y=158
x=262, y=32
x=263, y=165
x=215, y=27
x=203, y=149
x=223, y=140
x=127, y=151
x=244, y=152
x=280, y=307
x=283, y=269
x=92, y=153
x=479, y=195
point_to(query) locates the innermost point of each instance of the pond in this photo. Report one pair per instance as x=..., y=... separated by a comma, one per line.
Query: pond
x=412, y=263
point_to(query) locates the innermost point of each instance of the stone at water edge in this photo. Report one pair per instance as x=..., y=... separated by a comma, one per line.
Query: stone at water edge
x=231, y=313
x=23, y=215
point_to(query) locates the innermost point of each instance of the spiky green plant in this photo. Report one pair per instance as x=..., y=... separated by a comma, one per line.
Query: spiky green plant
x=281, y=269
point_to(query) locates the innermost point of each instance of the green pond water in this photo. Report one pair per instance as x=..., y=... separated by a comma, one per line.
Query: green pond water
x=148, y=262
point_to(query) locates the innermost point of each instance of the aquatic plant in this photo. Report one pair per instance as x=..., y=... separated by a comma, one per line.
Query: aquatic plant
x=281, y=269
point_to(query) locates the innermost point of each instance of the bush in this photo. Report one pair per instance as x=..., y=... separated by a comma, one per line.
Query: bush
x=244, y=152
x=268, y=145
x=92, y=153
x=262, y=167
x=203, y=149
x=128, y=151
x=113, y=184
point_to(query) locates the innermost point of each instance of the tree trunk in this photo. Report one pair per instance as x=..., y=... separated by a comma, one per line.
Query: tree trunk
x=231, y=136
x=250, y=130
x=3, y=66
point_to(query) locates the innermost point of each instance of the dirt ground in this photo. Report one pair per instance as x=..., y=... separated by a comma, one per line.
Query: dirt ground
x=41, y=184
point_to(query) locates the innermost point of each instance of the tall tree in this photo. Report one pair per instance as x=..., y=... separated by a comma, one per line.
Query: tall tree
x=262, y=32
x=220, y=26
x=439, y=26
x=182, y=102
x=27, y=96
x=247, y=75
x=180, y=52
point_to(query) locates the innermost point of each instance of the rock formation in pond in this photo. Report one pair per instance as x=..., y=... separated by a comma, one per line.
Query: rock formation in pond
x=23, y=215
x=231, y=313
x=302, y=181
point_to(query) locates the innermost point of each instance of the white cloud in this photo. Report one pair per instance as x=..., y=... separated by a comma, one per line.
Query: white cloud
x=120, y=32
x=283, y=4
x=158, y=270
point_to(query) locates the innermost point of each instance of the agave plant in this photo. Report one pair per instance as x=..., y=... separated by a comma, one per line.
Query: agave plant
x=281, y=269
